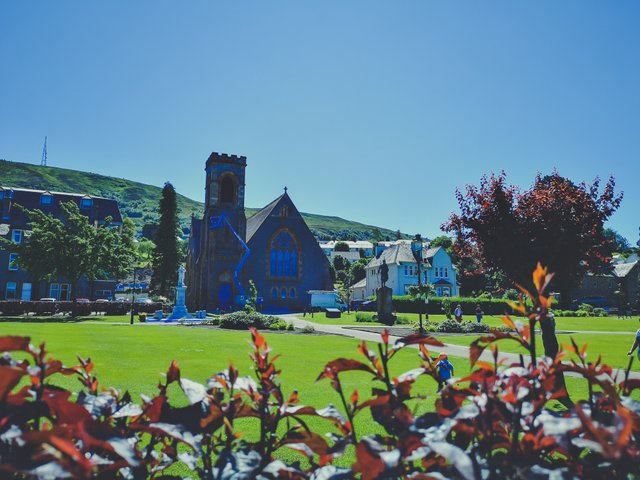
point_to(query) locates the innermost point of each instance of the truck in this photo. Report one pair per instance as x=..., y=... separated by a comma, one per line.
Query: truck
x=321, y=299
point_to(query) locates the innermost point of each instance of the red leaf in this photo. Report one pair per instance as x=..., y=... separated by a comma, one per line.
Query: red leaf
x=9, y=343
x=343, y=365
x=417, y=338
x=173, y=374
x=9, y=378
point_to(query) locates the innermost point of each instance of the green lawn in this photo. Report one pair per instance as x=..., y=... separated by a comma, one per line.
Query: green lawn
x=605, y=324
x=612, y=347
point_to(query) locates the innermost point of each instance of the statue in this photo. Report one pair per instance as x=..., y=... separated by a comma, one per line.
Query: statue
x=181, y=271
x=384, y=273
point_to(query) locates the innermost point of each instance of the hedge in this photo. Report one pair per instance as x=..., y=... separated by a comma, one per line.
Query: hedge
x=494, y=306
x=19, y=307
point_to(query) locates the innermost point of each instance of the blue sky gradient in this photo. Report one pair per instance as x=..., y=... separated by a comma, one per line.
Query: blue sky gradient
x=372, y=111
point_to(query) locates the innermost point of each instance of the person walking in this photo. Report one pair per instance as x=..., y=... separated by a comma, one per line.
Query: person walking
x=636, y=344
x=479, y=313
x=458, y=313
x=444, y=369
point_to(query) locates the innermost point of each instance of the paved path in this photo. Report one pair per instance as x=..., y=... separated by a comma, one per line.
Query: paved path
x=449, y=349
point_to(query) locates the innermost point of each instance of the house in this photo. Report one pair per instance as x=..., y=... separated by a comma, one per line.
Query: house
x=275, y=249
x=352, y=257
x=17, y=284
x=358, y=291
x=361, y=247
x=436, y=268
x=616, y=289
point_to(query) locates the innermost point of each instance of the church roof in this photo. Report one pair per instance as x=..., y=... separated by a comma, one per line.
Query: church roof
x=254, y=222
x=621, y=270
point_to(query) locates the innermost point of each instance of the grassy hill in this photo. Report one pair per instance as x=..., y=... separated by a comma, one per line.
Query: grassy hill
x=140, y=202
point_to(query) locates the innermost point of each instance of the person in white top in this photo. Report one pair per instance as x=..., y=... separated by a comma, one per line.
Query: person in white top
x=636, y=344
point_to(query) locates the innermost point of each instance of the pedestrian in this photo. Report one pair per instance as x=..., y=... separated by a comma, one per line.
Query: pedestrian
x=458, y=313
x=479, y=313
x=636, y=344
x=444, y=369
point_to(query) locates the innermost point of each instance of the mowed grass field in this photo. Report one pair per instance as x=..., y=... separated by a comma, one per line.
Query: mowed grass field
x=574, y=324
x=134, y=358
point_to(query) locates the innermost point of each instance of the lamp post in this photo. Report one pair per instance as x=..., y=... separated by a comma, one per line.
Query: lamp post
x=133, y=293
x=416, y=247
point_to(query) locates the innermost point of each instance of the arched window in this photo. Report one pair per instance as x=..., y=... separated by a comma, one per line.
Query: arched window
x=283, y=257
x=227, y=190
x=283, y=292
x=274, y=292
x=292, y=292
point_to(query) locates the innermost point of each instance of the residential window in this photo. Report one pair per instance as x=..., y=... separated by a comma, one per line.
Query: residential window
x=446, y=272
x=86, y=203
x=406, y=270
x=13, y=264
x=54, y=291
x=16, y=236
x=446, y=291
x=12, y=290
x=26, y=292
x=46, y=199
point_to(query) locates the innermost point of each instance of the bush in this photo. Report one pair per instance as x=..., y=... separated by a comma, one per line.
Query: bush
x=585, y=307
x=511, y=294
x=365, y=317
x=308, y=329
x=453, y=326
x=142, y=318
x=290, y=326
x=599, y=312
x=279, y=325
x=439, y=305
x=243, y=321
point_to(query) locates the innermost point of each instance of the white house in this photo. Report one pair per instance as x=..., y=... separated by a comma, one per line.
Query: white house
x=357, y=247
x=358, y=291
x=436, y=268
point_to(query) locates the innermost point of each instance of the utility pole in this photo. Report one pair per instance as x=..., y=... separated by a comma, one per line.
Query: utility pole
x=417, y=254
x=43, y=162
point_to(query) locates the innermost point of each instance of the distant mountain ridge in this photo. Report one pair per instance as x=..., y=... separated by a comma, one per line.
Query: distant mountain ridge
x=139, y=201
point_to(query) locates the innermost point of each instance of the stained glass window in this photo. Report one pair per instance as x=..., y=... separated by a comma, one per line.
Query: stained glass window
x=283, y=256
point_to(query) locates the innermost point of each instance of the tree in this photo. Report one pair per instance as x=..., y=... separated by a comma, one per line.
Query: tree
x=341, y=247
x=165, y=255
x=556, y=222
x=442, y=241
x=620, y=243
x=252, y=299
x=376, y=235
x=357, y=271
x=398, y=235
x=72, y=248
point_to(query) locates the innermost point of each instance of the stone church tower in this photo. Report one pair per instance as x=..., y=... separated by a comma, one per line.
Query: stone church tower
x=223, y=232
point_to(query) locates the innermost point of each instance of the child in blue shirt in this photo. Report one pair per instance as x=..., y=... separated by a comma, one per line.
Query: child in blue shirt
x=445, y=370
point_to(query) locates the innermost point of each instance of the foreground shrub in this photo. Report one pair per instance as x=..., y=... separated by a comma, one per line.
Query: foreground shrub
x=466, y=326
x=493, y=424
x=244, y=320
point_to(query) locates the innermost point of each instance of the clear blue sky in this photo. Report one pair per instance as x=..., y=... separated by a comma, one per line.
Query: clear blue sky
x=372, y=111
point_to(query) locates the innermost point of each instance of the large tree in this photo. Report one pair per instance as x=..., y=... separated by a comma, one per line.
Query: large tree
x=165, y=255
x=555, y=222
x=72, y=248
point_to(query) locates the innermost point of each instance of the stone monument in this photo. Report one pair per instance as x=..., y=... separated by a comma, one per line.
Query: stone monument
x=180, y=310
x=384, y=297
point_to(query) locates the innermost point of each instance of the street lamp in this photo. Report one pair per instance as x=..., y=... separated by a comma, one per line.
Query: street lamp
x=133, y=293
x=416, y=248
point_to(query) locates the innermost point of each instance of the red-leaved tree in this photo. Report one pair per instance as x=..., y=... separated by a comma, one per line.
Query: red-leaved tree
x=556, y=222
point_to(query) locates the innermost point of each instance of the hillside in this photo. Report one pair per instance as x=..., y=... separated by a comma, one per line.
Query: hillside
x=140, y=202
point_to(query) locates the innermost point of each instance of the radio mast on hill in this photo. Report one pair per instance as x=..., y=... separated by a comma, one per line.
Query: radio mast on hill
x=43, y=162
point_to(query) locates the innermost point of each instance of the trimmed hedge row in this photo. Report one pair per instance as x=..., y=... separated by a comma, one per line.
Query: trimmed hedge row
x=19, y=307
x=493, y=306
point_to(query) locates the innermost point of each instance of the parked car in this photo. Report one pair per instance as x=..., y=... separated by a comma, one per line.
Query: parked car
x=82, y=300
x=144, y=300
x=102, y=300
x=368, y=306
x=48, y=299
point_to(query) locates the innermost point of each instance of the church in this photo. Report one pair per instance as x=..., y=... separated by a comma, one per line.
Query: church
x=274, y=248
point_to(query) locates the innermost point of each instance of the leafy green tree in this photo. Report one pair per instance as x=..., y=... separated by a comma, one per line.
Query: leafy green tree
x=357, y=271
x=442, y=241
x=341, y=247
x=376, y=235
x=166, y=256
x=72, y=248
x=620, y=243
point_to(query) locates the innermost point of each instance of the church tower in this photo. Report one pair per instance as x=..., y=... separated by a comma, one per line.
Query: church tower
x=223, y=231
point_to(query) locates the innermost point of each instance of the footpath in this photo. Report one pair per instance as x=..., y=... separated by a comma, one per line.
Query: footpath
x=449, y=349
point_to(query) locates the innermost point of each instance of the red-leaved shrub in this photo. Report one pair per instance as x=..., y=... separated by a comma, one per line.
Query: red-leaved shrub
x=495, y=423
